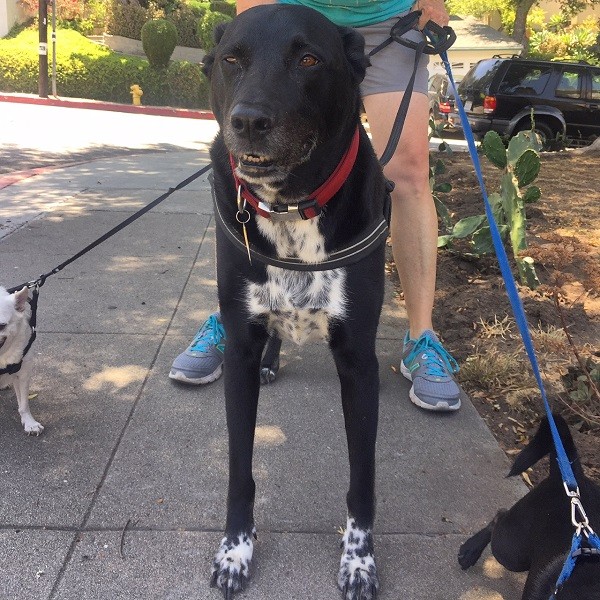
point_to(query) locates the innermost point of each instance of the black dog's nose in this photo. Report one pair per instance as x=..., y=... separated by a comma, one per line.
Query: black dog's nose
x=249, y=120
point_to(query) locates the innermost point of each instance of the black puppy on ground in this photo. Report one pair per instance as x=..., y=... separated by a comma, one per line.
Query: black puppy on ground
x=535, y=534
x=285, y=92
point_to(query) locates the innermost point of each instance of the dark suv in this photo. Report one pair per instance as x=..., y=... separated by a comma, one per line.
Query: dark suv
x=500, y=93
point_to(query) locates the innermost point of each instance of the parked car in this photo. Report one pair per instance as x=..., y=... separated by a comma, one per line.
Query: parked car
x=499, y=94
x=441, y=99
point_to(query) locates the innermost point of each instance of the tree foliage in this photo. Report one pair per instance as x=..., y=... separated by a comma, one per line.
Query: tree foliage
x=514, y=13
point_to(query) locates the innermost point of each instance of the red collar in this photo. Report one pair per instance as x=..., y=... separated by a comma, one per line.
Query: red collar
x=311, y=207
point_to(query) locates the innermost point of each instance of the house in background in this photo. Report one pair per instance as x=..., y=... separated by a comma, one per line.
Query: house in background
x=474, y=42
x=10, y=14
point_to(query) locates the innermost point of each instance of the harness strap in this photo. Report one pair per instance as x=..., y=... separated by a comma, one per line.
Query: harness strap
x=352, y=253
x=16, y=367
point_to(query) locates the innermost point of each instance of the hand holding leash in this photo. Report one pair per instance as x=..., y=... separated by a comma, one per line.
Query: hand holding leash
x=438, y=38
x=431, y=10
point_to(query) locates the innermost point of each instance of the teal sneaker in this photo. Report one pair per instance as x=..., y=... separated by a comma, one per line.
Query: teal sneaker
x=202, y=361
x=431, y=368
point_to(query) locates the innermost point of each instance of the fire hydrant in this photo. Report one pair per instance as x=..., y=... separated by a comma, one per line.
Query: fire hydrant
x=137, y=92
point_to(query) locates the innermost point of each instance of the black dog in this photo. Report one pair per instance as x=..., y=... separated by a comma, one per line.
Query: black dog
x=284, y=89
x=535, y=534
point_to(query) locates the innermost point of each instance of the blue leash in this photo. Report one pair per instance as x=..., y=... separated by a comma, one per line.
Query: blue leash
x=578, y=516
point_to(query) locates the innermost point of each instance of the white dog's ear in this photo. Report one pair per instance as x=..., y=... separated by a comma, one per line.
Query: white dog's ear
x=21, y=298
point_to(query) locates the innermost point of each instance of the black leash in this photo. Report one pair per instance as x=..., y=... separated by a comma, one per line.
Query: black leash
x=36, y=284
x=437, y=39
x=39, y=282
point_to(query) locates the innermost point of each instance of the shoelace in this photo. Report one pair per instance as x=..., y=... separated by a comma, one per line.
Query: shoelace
x=437, y=362
x=210, y=334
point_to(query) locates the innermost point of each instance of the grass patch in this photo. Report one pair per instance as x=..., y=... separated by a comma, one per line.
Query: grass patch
x=87, y=70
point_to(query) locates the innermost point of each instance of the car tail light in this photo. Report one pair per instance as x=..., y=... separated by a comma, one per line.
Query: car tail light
x=489, y=104
x=444, y=107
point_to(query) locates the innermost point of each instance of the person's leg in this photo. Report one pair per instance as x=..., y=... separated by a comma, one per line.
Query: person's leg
x=414, y=230
x=414, y=225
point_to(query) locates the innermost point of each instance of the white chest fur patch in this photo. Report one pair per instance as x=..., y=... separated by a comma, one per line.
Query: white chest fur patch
x=299, y=305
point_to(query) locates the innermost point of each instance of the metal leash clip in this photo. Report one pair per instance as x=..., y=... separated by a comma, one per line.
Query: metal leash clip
x=579, y=518
x=243, y=216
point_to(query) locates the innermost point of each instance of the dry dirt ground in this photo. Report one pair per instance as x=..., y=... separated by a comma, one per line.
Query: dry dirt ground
x=475, y=319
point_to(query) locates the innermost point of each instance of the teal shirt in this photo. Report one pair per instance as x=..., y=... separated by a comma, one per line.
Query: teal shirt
x=356, y=13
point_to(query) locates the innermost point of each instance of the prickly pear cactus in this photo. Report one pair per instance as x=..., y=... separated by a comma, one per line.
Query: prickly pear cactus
x=521, y=165
x=493, y=148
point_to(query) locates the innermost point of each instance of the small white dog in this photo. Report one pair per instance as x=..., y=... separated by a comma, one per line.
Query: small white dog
x=15, y=333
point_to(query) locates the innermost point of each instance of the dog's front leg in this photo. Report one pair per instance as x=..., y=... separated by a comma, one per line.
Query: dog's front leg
x=21, y=384
x=231, y=566
x=358, y=371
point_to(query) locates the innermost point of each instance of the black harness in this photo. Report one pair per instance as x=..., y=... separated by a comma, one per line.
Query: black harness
x=16, y=367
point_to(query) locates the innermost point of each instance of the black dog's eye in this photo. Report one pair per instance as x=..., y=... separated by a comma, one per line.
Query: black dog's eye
x=232, y=60
x=308, y=60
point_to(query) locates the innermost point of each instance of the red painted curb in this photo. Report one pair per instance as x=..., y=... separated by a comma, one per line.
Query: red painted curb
x=160, y=111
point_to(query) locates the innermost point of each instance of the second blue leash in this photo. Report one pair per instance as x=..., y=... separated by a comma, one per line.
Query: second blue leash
x=578, y=516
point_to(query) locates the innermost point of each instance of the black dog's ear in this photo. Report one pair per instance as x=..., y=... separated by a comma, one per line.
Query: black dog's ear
x=218, y=32
x=209, y=59
x=354, y=47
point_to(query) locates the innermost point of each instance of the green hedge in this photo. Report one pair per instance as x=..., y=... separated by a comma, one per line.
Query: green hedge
x=206, y=28
x=127, y=19
x=87, y=70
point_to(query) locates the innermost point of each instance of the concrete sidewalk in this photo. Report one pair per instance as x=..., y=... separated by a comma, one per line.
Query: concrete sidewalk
x=123, y=495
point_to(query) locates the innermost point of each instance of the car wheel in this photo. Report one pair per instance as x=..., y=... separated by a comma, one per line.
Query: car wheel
x=545, y=133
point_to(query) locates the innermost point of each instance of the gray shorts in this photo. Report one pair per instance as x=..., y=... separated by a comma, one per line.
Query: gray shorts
x=392, y=67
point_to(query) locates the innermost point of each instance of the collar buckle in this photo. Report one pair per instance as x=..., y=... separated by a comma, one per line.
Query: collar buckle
x=280, y=212
x=304, y=210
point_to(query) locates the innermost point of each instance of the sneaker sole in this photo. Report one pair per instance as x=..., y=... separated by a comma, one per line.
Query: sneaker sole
x=441, y=406
x=183, y=378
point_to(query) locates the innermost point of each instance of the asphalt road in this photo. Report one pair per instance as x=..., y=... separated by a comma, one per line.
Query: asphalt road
x=34, y=136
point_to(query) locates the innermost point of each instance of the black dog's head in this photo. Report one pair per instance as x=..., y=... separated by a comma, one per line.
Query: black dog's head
x=284, y=80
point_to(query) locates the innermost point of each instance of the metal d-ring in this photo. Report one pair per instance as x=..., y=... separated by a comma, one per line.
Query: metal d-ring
x=242, y=216
x=241, y=204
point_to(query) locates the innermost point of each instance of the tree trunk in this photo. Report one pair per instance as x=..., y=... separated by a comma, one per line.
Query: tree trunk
x=522, y=10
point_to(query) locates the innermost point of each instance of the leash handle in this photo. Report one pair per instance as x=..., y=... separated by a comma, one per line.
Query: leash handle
x=439, y=38
x=436, y=41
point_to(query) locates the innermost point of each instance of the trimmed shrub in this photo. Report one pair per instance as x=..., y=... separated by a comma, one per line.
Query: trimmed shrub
x=87, y=70
x=126, y=19
x=159, y=38
x=186, y=21
x=206, y=28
